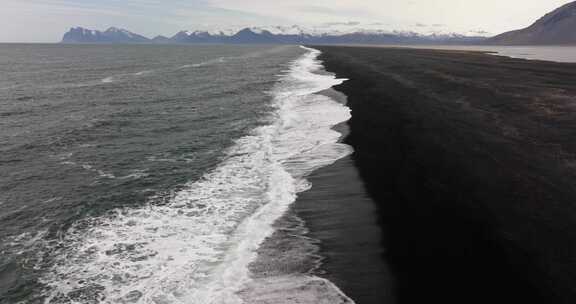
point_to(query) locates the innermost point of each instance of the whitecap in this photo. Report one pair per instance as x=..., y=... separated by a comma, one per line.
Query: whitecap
x=142, y=73
x=108, y=79
x=207, y=62
x=135, y=174
x=88, y=167
x=52, y=200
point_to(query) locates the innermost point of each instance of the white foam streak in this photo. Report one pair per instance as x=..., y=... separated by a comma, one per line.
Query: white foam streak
x=123, y=77
x=108, y=79
x=208, y=62
x=197, y=248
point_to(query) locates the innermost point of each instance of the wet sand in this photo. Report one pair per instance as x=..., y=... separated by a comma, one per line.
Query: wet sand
x=339, y=213
x=469, y=162
x=331, y=232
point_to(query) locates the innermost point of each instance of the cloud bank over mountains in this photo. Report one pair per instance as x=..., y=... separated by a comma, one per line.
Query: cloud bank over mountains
x=50, y=18
x=334, y=33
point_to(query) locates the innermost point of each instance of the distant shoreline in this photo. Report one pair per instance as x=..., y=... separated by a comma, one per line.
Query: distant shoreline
x=558, y=53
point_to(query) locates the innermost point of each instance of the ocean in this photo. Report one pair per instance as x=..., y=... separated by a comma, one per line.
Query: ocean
x=154, y=174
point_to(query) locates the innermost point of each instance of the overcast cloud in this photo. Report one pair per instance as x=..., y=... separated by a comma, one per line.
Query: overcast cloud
x=46, y=20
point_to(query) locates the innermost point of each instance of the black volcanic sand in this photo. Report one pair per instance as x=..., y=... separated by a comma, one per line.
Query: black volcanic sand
x=339, y=213
x=470, y=159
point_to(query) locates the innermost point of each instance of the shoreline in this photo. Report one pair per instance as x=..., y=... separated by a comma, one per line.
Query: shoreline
x=341, y=217
x=315, y=249
x=286, y=268
x=470, y=160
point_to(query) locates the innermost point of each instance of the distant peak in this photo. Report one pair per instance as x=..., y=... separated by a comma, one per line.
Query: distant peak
x=564, y=12
x=246, y=30
x=111, y=35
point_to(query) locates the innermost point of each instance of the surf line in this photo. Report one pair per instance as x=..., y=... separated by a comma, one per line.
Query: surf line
x=198, y=247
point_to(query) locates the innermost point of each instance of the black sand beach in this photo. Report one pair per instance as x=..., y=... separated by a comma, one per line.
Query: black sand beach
x=339, y=213
x=339, y=240
x=470, y=159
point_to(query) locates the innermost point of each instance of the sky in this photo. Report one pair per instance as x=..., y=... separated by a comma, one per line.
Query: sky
x=47, y=20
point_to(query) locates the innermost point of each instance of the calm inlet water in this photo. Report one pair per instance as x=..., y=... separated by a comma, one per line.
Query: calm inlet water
x=530, y=52
x=152, y=174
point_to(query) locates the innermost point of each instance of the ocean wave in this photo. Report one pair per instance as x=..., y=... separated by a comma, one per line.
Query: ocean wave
x=123, y=77
x=135, y=174
x=207, y=62
x=129, y=76
x=88, y=167
x=108, y=79
x=197, y=247
x=142, y=73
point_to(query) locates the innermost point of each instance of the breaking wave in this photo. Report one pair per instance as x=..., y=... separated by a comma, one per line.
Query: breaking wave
x=197, y=247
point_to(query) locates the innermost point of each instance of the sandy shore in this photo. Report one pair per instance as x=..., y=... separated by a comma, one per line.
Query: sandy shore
x=340, y=214
x=471, y=161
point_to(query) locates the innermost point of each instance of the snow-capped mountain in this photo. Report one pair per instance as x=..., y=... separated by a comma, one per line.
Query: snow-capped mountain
x=350, y=32
x=111, y=35
x=325, y=34
x=336, y=29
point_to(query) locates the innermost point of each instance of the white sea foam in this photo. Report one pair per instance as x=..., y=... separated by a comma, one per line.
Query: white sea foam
x=207, y=62
x=197, y=247
x=124, y=77
x=87, y=167
x=51, y=200
x=108, y=79
x=142, y=73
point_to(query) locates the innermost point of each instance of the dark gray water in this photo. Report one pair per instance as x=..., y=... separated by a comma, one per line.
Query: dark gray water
x=148, y=174
x=531, y=52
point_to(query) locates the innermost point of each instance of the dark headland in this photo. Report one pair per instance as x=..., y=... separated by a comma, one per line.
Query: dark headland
x=471, y=160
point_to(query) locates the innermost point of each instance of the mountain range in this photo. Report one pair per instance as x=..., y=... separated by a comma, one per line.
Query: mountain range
x=111, y=35
x=555, y=28
x=275, y=34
